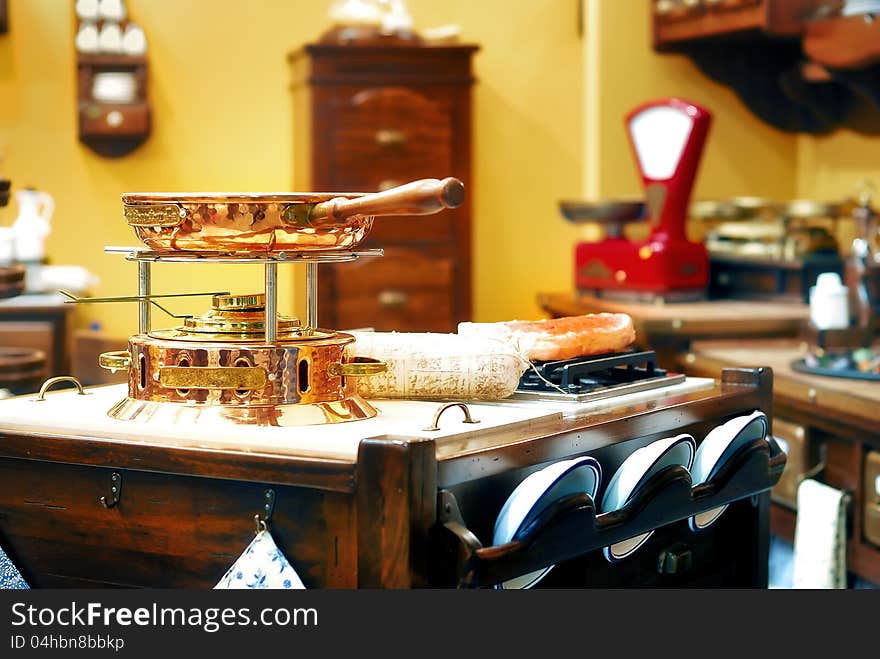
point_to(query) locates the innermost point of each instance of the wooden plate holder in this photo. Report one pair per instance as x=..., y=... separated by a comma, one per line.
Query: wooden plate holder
x=112, y=129
x=571, y=527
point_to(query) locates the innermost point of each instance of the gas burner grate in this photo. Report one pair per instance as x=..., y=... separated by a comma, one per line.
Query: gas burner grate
x=597, y=376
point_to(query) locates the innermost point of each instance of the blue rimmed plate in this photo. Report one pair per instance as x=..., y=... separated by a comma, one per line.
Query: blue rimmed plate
x=716, y=449
x=534, y=494
x=635, y=471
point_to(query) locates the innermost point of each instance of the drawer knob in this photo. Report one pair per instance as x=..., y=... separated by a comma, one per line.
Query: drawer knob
x=664, y=7
x=675, y=560
x=392, y=299
x=390, y=137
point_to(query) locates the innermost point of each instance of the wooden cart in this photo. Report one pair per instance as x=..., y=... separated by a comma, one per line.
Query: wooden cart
x=402, y=513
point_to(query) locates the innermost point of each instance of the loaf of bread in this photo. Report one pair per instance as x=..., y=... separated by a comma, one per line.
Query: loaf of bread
x=437, y=366
x=559, y=338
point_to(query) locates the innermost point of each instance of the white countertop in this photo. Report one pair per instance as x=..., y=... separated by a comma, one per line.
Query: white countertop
x=66, y=413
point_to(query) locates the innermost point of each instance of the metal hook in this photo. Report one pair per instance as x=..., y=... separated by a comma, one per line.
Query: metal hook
x=269, y=508
x=467, y=416
x=111, y=499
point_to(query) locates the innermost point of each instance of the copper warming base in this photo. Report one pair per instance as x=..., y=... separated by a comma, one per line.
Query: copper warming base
x=240, y=363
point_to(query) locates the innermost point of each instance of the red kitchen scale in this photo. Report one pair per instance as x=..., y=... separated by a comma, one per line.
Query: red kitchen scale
x=667, y=137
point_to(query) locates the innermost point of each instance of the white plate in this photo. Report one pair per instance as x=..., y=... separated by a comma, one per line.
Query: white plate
x=534, y=494
x=637, y=469
x=716, y=449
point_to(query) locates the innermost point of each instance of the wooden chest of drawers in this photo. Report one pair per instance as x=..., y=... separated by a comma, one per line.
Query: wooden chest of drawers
x=369, y=117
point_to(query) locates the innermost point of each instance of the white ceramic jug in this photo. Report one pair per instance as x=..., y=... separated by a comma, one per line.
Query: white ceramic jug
x=33, y=224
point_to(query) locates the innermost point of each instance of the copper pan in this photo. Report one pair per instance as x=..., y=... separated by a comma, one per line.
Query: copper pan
x=269, y=222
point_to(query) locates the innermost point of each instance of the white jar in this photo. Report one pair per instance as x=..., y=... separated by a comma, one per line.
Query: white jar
x=829, y=302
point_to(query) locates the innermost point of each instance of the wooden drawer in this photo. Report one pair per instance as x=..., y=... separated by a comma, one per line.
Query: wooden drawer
x=158, y=533
x=113, y=120
x=801, y=458
x=405, y=291
x=387, y=136
x=871, y=498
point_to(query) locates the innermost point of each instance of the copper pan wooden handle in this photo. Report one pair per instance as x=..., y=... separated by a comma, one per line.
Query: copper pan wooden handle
x=422, y=197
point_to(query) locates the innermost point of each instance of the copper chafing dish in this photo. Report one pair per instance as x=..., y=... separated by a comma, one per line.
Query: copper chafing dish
x=219, y=365
x=243, y=362
x=253, y=223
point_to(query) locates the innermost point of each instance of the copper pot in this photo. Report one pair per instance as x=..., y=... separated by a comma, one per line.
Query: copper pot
x=219, y=365
x=257, y=223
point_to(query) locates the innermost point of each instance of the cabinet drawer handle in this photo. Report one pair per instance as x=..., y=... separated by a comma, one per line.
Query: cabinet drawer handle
x=390, y=137
x=392, y=299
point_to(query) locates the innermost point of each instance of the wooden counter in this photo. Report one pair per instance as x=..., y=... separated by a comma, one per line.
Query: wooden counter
x=838, y=418
x=397, y=512
x=669, y=328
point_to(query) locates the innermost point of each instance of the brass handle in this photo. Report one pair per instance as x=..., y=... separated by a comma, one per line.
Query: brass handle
x=435, y=425
x=51, y=382
x=115, y=361
x=390, y=137
x=359, y=368
x=153, y=215
x=213, y=377
x=392, y=299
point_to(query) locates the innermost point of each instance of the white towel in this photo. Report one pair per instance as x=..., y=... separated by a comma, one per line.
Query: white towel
x=820, y=537
x=262, y=565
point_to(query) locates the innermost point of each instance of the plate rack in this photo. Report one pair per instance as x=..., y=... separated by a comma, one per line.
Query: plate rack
x=571, y=528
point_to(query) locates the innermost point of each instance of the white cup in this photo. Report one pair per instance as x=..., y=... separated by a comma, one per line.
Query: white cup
x=829, y=302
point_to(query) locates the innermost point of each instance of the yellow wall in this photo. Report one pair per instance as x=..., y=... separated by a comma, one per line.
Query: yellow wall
x=548, y=125
x=833, y=167
x=219, y=86
x=743, y=156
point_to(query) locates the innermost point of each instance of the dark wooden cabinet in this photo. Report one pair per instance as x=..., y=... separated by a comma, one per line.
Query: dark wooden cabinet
x=369, y=117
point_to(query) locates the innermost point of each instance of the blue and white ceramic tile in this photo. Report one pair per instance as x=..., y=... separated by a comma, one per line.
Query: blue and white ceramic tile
x=262, y=565
x=10, y=577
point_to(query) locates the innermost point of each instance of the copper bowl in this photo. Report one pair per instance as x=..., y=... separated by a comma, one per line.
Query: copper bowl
x=283, y=222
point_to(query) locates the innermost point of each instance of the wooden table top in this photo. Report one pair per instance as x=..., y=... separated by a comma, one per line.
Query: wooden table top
x=699, y=318
x=824, y=394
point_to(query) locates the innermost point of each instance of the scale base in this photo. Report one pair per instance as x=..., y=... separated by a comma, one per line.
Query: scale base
x=669, y=269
